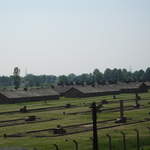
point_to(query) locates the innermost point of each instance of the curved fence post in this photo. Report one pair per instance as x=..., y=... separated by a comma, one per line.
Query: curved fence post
x=142, y=148
x=138, y=139
x=110, y=142
x=91, y=138
x=76, y=144
x=56, y=146
x=124, y=140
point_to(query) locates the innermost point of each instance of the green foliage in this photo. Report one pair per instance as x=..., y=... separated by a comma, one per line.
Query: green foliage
x=109, y=75
x=98, y=76
x=62, y=80
x=147, y=75
x=17, y=81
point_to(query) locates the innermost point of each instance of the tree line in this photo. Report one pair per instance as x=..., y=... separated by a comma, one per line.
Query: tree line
x=111, y=76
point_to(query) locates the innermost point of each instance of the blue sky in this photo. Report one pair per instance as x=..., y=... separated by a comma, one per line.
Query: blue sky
x=65, y=36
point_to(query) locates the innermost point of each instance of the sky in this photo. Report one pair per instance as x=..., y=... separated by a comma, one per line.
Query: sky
x=73, y=36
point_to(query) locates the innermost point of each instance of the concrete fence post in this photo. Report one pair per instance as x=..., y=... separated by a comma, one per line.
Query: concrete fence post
x=121, y=109
x=56, y=146
x=94, y=118
x=109, y=141
x=122, y=118
x=76, y=144
x=148, y=128
x=137, y=105
x=124, y=140
x=137, y=139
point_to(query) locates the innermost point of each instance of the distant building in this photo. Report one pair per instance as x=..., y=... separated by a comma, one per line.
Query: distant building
x=72, y=91
x=133, y=87
x=148, y=84
x=36, y=94
x=89, y=91
x=61, y=89
x=108, y=89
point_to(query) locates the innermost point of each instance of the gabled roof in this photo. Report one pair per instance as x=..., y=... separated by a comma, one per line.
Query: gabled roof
x=108, y=88
x=29, y=93
x=86, y=89
x=96, y=89
x=147, y=83
x=62, y=89
x=131, y=85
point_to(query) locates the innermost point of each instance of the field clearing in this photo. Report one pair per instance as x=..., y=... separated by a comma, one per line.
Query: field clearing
x=65, y=119
x=74, y=101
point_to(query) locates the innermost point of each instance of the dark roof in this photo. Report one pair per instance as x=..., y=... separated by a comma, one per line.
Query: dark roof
x=86, y=89
x=147, y=83
x=131, y=85
x=96, y=89
x=29, y=93
x=107, y=87
x=62, y=89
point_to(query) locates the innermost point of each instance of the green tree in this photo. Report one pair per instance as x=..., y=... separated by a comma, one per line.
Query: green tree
x=98, y=76
x=71, y=78
x=147, y=74
x=108, y=75
x=62, y=80
x=139, y=75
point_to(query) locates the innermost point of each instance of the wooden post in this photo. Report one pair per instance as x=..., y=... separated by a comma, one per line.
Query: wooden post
x=94, y=118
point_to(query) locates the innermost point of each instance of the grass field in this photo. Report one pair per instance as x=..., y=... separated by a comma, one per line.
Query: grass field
x=82, y=104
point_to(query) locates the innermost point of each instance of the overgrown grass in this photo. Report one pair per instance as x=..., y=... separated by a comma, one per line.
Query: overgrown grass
x=83, y=138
